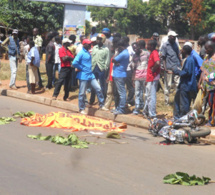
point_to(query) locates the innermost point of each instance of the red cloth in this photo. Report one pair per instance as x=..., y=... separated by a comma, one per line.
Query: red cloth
x=111, y=70
x=63, y=52
x=154, y=57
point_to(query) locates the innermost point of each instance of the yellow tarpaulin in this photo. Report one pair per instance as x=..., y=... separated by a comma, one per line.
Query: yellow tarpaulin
x=74, y=122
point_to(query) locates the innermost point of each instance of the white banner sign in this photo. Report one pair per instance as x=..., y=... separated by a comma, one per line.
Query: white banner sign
x=104, y=3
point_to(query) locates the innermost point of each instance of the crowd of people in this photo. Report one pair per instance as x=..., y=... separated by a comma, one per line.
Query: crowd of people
x=106, y=66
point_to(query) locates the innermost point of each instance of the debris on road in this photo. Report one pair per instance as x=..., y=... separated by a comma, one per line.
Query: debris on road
x=23, y=114
x=6, y=120
x=71, y=140
x=186, y=180
x=72, y=121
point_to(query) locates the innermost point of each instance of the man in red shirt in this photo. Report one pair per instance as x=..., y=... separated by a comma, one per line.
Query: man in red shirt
x=66, y=58
x=152, y=79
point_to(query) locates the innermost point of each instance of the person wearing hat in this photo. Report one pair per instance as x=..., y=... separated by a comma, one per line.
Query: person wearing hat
x=13, y=52
x=100, y=64
x=85, y=75
x=171, y=59
x=109, y=39
x=66, y=58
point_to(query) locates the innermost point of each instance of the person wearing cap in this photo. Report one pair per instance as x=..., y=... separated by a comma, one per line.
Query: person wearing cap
x=197, y=60
x=13, y=52
x=100, y=64
x=171, y=59
x=66, y=58
x=85, y=75
x=50, y=58
x=165, y=39
x=93, y=33
x=109, y=39
x=155, y=36
x=187, y=85
x=38, y=43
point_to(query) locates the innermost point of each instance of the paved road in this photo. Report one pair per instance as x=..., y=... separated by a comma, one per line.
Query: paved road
x=135, y=168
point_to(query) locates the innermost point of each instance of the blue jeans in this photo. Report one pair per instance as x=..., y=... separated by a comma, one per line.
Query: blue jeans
x=139, y=92
x=13, y=68
x=181, y=103
x=58, y=66
x=119, y=93
x=100, y=75
x=82, y=91
x=130, y=88
x=150, y=98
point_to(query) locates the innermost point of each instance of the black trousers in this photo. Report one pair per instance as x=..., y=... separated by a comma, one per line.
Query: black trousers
x=64, y=78
x=49, y=72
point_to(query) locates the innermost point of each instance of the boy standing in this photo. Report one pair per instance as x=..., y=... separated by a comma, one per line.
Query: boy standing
x=152, y=79
x=139, y=66
x=33, y=60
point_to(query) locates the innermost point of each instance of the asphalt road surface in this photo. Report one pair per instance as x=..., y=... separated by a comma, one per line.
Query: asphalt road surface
x=135, y=166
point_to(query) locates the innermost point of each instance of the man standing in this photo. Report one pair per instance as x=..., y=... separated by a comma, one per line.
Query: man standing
x=57, y=65
x=50, y=58
x=187, y=84
x=33, y=60
x=152, y=79
x=197, y=60
x=85, y=75
x=13, y=52
x=171, y=60
x=93, y=33
x=100, y=64
x=66, y=58
x=38, y=41
x=119, y=75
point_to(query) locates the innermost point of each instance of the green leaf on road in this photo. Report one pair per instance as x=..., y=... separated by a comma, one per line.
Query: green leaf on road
x=184, y=179
x=6, y=120
x=24, y=114
x=71, y=140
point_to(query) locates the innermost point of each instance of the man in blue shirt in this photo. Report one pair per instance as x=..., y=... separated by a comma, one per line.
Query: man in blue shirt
x=119, y=76
x=197, y=60
x=187, y=84
x=85, y=75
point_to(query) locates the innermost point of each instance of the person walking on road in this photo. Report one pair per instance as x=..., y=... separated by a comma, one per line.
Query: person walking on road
x=85, y=75
x=13, y=52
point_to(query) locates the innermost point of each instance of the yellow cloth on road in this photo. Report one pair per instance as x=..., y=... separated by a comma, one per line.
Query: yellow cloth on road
x=74, y=122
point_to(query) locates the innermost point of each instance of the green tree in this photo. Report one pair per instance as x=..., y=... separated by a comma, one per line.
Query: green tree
x=25, y=15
